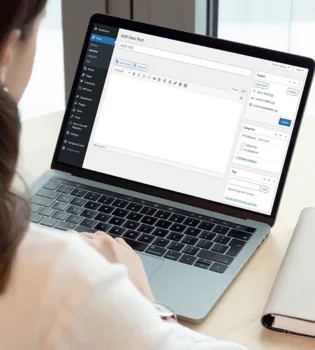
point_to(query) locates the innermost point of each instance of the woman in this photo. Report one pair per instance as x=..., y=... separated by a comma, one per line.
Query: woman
x=57, y=291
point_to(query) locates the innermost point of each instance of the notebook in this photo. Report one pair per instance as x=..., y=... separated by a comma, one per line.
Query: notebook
x=291, y=305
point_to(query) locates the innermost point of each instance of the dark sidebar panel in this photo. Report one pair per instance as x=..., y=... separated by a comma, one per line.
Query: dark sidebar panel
x=89, y=90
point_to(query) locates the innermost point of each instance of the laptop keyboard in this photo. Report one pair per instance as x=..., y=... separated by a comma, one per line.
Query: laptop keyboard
x=158, y=230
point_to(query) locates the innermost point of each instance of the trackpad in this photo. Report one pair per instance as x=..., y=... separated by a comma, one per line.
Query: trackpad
x=151, y=265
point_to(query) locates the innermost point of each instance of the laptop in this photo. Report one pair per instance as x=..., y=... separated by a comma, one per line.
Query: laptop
x=180, y=144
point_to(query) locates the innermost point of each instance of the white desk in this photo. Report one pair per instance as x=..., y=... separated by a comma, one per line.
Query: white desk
x=237, y=316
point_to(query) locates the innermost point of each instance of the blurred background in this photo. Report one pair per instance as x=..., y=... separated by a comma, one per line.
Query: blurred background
x=286, y=25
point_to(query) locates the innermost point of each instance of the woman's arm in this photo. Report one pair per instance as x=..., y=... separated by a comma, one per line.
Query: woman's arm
x=104, y=310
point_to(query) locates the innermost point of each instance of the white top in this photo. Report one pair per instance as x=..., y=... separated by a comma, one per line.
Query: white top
x=64, y=295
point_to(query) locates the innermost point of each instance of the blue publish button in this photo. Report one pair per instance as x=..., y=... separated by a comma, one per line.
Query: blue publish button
x=285, y=122
x=103, y=39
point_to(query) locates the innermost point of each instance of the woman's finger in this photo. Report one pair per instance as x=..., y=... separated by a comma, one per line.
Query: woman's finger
x=88, y=235
x=122, y=242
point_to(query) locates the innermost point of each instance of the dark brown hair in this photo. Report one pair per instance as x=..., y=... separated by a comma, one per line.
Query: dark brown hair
x=14, y=209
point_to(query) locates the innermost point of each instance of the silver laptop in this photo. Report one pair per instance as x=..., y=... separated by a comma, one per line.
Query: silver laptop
x=181, y=145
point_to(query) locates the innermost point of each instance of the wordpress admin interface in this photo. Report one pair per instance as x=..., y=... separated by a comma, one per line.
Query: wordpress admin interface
x=195, y=120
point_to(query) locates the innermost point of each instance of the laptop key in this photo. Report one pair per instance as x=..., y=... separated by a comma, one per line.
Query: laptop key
x=134, y=216
x=210, y=255
x=120, y=203
x=187, y=259
x=78, y=193
x=47, y=193
x=172, y=255
x=80, y=202
x=246, y=236
x=131, y=234
x=60, y=206
x=46, y=211
x=209, y=236
x=87, y=213
x=162, y=214
x=74, y=210
x=219, y=248
x=222, y=239
x=178, y=228
x=117, y=221
x=50, y=222
x=50, y=185
x=191, y=222
x=136, y=245
x=245, y=228
x=176, y=246
x=177, y=218
x=133, y=225
x=204, y=244
x=102, y=227
x=74, y=219
x=146, y=238
x=192, y=231
x=220, y=268
x=65, y=189
x=65, y=226
x=189, y=240
x=161, y=242
x=88, y=223
x=60, y=215
x=190, y=250
x=92, y=196
x=175, y=236
x=119, y=231
x=160, y=232
x=134, y=207
x=233, y=251
x=203, y=263
x=148, y=211
x=106, y=200
x=35, y=208
x=64, y=198
x=150, y=220
x=92, y=205
x=106, y=209
x=157, y=251
x=45, y=202
x=145, y=228
x=223, y=230
x=206, y=226
x=163, y=224
x=102, y=217
x=236, y=243
x=235, y=247
x=84, y=229
x=120, y=213
x=36, y=218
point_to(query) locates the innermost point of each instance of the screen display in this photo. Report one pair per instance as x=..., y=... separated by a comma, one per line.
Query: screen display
x=195, y=120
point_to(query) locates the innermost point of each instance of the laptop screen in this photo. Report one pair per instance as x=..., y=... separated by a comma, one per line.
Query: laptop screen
x=198, y=121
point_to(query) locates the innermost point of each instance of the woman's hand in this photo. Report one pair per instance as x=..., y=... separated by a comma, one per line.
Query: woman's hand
x=118, y=251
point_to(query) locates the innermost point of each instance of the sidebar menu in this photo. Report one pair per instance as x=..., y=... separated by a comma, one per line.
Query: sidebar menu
x=89, y=90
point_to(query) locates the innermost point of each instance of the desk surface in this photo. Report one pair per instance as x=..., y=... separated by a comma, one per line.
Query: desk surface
x=237, y=315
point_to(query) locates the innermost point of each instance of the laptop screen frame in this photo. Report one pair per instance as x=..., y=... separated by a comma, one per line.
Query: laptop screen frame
x=196, y=39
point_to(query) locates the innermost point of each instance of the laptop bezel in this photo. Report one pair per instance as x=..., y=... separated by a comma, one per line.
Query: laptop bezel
x=196, y=39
